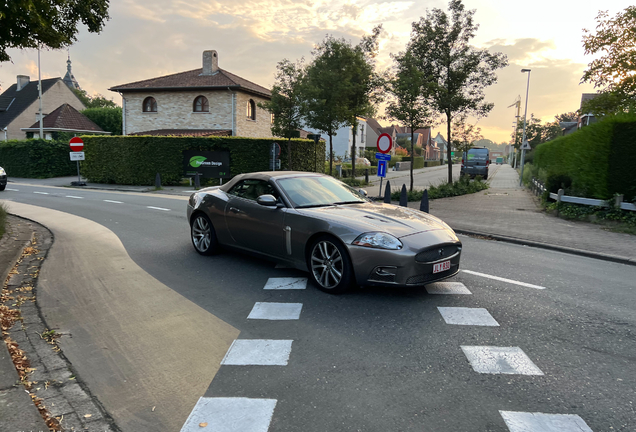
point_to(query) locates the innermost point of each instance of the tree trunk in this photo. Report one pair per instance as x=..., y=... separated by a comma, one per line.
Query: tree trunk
x=330, y=154
x=289, y=158
x=448, y=149
x=412, y=159
x=353, y=151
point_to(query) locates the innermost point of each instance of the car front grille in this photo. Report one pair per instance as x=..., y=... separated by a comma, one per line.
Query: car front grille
x=437, y=253
x=430, y=277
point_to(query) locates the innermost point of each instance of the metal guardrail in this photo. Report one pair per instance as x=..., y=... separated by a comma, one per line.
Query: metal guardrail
x=539, y=188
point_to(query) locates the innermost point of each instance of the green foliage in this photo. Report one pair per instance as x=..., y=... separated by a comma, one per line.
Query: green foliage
x=354, y=182
x=96, y=101
x=618, y=220
x=36, y=158
x=457, y=72
x=419, y=162
x=49, y=23
x=109, y=119
x=599, y=158
x=135, y=160
x=463, y=186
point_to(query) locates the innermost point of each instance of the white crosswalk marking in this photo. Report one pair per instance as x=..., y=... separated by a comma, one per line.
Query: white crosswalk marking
x=114, y=202
x=41, y=193
x=276, y=311
x=76, y=197
x=262, y=352
x=503, y=279
x=158, y=208
x=447, y=288
x=500, y=360
x=286, y=283
x=467, y=316
x=538, y=422
x=230, y=415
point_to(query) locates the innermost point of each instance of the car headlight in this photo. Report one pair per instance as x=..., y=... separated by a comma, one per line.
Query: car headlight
x=378, y=240
x=2, y=171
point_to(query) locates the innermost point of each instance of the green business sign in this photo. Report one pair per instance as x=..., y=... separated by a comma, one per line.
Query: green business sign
x=208, y=164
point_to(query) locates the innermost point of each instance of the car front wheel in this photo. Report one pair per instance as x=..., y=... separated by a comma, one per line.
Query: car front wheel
x=203, y=235
x=330, y=266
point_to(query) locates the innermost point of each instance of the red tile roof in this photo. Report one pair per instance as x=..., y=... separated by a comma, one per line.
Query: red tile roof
x=67, y=118
x=194, y=79
x=186, y=132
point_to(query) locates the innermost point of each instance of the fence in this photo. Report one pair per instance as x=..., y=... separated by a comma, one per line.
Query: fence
x=538, y=188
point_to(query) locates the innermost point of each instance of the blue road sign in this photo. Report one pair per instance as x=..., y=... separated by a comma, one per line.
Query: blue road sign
x=383, y=156
x=382, y=168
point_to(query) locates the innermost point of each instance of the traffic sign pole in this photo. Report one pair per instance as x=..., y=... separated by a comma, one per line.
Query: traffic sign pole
x=77, y=145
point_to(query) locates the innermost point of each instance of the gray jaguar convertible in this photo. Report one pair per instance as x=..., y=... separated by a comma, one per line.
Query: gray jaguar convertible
x=318, y=224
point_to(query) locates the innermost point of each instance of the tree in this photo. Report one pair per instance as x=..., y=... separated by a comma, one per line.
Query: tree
x=324, y=89
x=286, y=104
x=96, y=101
x=363, y=85
x=49, y=23
x=409, y=105
x=615, y=70
x=458, y=73
x=107, y=118
x=465, y=135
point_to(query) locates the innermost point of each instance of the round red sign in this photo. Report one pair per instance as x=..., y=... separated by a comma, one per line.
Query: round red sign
x=384, y=143
x=76, y=144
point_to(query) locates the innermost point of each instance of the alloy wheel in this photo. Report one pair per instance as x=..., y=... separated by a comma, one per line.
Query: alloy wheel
x=327, y=264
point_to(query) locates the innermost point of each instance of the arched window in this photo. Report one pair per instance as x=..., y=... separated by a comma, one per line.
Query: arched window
x=150, y=104
x=251, y=110
x=201, y=104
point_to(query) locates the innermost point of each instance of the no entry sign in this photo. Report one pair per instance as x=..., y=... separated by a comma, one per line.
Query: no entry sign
x=76, y=144
x=384, y=143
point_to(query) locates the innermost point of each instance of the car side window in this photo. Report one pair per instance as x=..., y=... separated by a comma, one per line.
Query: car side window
x=252, y=189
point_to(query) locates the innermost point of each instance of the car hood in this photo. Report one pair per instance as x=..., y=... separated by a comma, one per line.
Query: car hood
x=366, y=217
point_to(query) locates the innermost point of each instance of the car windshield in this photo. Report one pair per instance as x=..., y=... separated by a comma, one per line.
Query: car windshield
x=305, y=192
x=477, y=155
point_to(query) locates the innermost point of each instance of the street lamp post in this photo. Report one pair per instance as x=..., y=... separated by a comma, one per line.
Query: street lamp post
x=523, y=139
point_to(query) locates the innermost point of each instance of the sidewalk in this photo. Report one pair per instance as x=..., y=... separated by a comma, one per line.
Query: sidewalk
x=508, y=212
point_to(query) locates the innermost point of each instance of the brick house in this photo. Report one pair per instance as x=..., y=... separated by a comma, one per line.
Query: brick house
x=201, y=102
x=19, y=105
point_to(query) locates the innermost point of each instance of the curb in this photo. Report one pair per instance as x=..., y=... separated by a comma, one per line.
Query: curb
x=564, y=249
x=54, y=380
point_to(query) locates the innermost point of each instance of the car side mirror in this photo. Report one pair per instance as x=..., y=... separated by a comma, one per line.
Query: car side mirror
x=363, y=192
x=267, y=200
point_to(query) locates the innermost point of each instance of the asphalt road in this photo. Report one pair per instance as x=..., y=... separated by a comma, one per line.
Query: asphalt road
x=387, y=360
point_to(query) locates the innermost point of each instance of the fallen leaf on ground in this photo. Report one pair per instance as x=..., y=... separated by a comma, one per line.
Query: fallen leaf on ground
x=203, y=424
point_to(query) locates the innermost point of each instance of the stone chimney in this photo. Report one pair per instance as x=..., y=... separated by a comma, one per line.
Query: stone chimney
x=23, y=80
x=210, y=62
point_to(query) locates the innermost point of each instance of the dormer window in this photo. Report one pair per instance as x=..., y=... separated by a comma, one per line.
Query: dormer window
x=150, y=105
x=201, y=104
x=251, y=110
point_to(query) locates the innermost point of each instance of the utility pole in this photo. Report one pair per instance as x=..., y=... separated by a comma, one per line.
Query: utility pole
x=523, y=140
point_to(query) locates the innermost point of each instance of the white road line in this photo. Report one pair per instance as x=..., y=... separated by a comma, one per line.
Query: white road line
x=230, y=415
x=539, y=422
x=41, y=193
x=114, y=202
x=500, y=360
x=286, y=283
x=447, y=288
x=276, y=311
x=261, y=352
x=503, y=279
x=14, y=190
x=157, y=208
x=467, y=316
x=76, y=197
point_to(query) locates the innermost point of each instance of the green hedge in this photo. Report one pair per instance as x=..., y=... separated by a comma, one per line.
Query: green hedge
x=135, y=160
x=36, y=158
x=598, y=159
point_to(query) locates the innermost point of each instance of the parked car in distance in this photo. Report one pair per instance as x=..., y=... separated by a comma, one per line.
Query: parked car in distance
x=318, y=224
x=3, y=179
x=475, y=162
x=499, y=161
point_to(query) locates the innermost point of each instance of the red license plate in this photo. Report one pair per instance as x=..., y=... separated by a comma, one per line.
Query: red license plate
x=440, y=267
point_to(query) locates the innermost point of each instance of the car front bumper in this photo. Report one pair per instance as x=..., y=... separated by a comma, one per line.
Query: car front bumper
x=3, y=180
x=410, y=266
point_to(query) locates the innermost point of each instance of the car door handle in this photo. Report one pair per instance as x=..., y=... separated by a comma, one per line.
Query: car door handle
x=235, y=210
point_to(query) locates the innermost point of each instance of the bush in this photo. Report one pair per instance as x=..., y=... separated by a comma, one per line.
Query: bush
x=463, y=186
x=135, y=160
x=37, y=158
x=598, y=159
x=419, y=161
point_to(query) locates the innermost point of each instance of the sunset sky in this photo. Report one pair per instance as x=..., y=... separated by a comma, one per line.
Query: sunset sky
x=149, y=39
